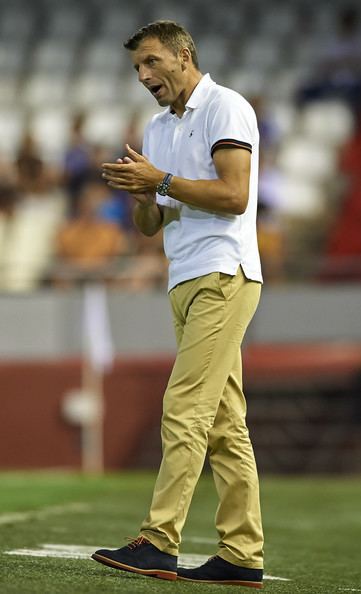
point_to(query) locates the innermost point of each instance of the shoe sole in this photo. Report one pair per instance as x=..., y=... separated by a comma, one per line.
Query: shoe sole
x=156, y=573
x=223, y=582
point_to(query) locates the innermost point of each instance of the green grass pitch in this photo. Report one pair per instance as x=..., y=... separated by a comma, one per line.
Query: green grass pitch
x=312, y=528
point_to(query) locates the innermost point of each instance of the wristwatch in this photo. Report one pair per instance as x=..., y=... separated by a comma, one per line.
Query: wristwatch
x=163, y=187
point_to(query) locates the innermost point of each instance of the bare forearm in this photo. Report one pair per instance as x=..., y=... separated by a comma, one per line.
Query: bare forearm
x=227, y=193
x=214, y=194
x=147, y=218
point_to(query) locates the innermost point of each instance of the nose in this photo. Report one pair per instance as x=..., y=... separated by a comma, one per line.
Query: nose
x=143, y=73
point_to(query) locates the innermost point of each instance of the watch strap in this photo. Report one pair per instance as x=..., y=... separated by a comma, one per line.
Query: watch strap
x=163, y=187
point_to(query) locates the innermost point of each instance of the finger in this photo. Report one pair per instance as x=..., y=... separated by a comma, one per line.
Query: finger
x=114, y=178
x=128, y=160
x=118, y=168
x=117, y=185
x=123, y=184
x=135, y=156
x=126, y=187
x=115, y=166
x=119, y=160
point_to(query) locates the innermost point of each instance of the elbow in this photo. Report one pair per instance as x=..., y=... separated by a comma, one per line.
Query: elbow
x=150, y=232
x=240, y=209
x=238, y=203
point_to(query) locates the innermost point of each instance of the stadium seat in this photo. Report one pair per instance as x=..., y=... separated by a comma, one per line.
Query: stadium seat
x=9, y=92
x=12, y=124
x=12, y=57
x=67, y=22
x=284, y=115
x=309, y=160
x=327, y=122
x=284, y=82
x=102, y=54
x=307, y=53
x=249, y=83
x=17, y=21
x=106, y=126
x=300, y=198
x=116, y=23
x=212, y=53
x=42, y=90
x=50, y=128
x=3, y=235
x=57, y=59
x=26, y=254
x=90, y=90
x=163, y=9
x=133, y=94
x=54, y=57
x=278, y=23
x=262, y=53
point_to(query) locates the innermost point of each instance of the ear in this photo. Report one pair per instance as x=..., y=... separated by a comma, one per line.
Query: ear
x=185, y=57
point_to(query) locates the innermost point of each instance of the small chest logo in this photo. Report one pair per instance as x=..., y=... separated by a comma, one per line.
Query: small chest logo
x=191, y=133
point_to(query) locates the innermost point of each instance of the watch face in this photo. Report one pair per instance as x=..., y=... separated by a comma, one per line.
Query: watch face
x=163, y=187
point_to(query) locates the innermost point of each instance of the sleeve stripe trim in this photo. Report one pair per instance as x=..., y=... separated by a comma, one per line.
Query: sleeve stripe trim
x=230, y=143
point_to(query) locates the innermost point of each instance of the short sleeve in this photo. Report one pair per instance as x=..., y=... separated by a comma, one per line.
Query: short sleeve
x=232, y=124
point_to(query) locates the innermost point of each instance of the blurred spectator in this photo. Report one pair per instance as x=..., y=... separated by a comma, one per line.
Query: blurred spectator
x=35, y=178
x=338, y=71
x=343, y=244
x=269, y=133
x=77, y=163
x=31, y=215
x=148, y=268
x=119, y=206
x=8, y=200
x=87, y=245
x=290, y=193
x=133, y=132
x=350, y=160
x=271, y=233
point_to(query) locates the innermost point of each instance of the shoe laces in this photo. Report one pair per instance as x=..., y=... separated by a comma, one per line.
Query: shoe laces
x=136, y=542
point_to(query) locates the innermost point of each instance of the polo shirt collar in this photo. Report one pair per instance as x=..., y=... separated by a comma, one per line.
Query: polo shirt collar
x=199, y=92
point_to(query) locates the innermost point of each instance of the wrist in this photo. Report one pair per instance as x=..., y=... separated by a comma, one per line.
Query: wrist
x=145, y=201
x=164, y=185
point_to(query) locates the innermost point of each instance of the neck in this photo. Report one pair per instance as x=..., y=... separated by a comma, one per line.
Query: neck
x=179, y=105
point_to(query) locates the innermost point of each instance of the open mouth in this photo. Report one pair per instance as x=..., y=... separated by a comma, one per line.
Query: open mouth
x=155, y=89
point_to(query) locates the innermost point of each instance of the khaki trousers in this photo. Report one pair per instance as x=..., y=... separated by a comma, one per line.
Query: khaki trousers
x=205, y=409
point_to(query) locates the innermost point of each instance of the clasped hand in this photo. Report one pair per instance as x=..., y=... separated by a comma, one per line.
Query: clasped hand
x=134, y=173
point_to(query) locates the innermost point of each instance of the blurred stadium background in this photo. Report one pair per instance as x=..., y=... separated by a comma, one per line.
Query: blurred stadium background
x=77, y=279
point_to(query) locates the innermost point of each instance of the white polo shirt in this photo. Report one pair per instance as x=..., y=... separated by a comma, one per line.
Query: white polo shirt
x=199, y=241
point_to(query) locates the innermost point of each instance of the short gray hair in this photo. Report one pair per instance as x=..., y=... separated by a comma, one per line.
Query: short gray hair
x=170, y=34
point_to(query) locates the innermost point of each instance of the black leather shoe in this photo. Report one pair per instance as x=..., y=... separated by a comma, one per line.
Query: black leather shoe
x=140, y=556
x=218, y=571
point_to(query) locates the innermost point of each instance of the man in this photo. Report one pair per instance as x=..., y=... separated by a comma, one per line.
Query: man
x=197, y=178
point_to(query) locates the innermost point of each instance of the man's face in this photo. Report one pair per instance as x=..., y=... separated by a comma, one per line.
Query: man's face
x=159, y=70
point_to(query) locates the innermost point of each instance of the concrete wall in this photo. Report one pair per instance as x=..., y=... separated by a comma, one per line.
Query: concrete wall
x=48, y=324
x=301, y=370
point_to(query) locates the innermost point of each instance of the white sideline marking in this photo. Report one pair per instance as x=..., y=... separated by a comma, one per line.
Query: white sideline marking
x=83, y=552
x=15, y=517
